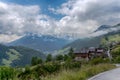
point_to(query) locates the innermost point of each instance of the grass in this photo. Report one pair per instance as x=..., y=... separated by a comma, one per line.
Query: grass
x=113, y=38
x=12, y=55
x=81, y=74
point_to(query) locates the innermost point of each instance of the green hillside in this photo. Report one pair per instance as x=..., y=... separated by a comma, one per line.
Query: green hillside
x=85, y=43
x=12, y=55
x=111, y=38
x=95, y=41
x=17, y=56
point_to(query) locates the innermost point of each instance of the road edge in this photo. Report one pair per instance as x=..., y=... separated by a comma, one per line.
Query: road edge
x=101, y=74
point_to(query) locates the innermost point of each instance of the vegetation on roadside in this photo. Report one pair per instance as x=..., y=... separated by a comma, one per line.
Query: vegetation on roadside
x=8, y=73
x=83, y=73
x=116, y=54
x=53, y=71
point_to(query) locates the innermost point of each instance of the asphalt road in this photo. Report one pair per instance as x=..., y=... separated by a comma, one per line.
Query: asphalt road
x=109, y=75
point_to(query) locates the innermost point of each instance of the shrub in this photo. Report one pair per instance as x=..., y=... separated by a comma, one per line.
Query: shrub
x=51, y=67
x=59, y=57
x=106, y=60
x=72, y=65
x=36, y=60
x=29, y=74
x=116, y=52
x=81, y=74
x=49, y=58
x=40, y=71
x=117, y=59
x=71, y=53
x=96, y=61
x=7, y=73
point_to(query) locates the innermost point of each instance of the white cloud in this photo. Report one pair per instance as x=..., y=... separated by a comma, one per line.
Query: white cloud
x=80, y=17
x=8, y=38
x=19, y=20
x=85, y=16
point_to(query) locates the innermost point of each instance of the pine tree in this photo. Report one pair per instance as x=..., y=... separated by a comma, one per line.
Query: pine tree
x=49, y=58
x=71, y=53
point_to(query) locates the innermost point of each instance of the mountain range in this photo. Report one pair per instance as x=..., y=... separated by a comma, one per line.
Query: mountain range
x=48, y=43
x=21, y=51
x=43, y=43
x=111, y=32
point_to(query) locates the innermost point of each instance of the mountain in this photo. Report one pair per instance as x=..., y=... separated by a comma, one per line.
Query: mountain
x=112, y=34
x=17, y=56
x=44, y=43
x=49, y=43
x=103, y=27
x=108, y=28
x=84, y=43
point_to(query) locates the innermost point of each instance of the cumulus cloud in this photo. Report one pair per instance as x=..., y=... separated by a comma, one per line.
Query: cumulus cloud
x=85, y=16
x=80, y=18
x=8, y=38
x=18, y=20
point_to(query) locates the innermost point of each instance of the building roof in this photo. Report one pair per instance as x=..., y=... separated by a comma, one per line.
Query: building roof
x=92, y=49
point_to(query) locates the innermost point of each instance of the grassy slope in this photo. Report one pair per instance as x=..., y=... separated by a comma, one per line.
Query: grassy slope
x=17, y=56
x=82, y=74
x=12, y=55
x=26, y=56
x=111, y=38
x=84, y=43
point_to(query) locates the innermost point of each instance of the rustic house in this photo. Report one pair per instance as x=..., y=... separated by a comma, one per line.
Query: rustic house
x=100, y=52
x=87, y=54
x=82, y=55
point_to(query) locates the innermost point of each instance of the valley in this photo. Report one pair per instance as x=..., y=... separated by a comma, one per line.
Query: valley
x=59, y=39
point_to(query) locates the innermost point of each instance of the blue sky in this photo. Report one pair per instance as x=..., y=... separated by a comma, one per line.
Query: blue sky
x=44, y=5
x=39, y=2
x=77, y=18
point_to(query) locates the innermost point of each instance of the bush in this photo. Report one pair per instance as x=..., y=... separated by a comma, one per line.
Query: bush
x=7, y=73
x=51, y=67
x=59, y=57
x=116, y=52
x=40, y=71
x=117, y=59
x=81, y=74
x=72, y=65
x=49, y=58
x=24, y=74
x=96, y=61
x=106, y=60
x=36, y=60
x=29, y=74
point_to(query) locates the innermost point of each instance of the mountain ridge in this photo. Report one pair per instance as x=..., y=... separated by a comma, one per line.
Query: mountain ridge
x=94, y=41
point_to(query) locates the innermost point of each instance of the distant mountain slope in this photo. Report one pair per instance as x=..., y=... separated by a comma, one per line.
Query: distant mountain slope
x=3, y=50
x=113, y=34
x=84, y=43
x=103, y=27
x=41, y=43
x=108, y=28
x=17, y=56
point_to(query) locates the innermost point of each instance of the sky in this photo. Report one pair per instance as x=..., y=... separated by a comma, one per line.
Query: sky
x=55, y=17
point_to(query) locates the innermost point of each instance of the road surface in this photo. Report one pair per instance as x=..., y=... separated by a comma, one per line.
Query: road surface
x=108, y=75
